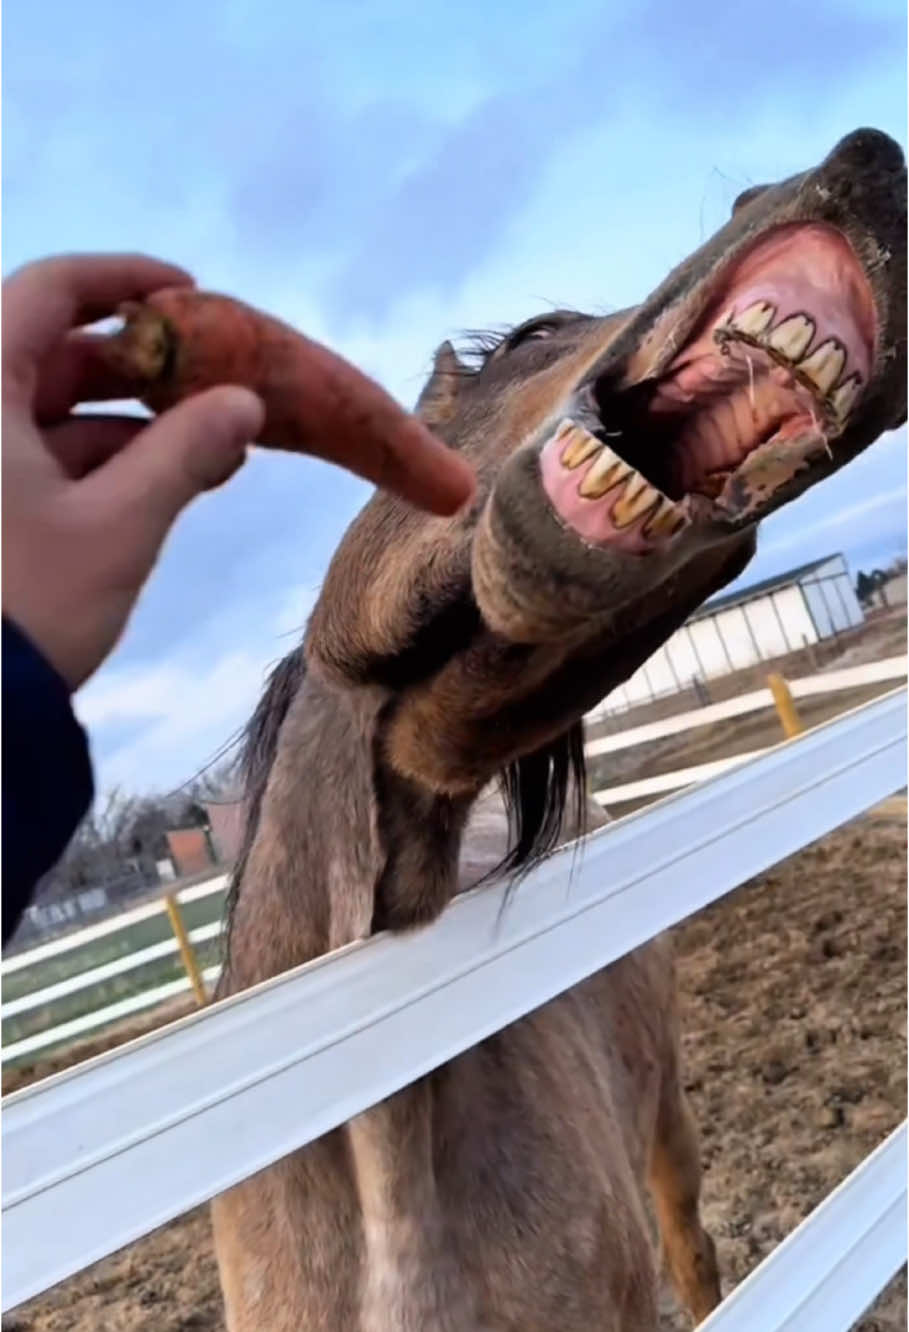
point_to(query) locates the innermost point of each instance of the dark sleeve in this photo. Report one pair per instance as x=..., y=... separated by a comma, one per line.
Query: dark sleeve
x=47, y=775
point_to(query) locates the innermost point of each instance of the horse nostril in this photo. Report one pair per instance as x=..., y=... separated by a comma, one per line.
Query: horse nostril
x=869, y=150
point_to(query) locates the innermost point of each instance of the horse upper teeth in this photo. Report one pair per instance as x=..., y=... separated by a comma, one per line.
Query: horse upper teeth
x=607, y=470
x=825, y=365
x=845, y=396
x=755, y=319
x=790, y=340
x=793, y=336
x=580, y=445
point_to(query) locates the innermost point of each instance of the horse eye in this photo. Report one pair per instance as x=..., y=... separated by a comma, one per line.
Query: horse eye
x=532, y=333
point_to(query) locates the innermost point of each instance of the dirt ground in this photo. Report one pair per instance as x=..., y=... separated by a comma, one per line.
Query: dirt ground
x=794, y=1026
x=793, y=996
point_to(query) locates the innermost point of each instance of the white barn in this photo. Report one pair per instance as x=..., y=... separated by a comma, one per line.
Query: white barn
x=767, y=620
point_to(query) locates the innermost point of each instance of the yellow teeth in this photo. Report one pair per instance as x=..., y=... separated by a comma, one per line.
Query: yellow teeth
x=844, y=397
x=755, y=319
x=790, y=339
x=665, y=521
x=579, y=446
x=565, y=429
x=637, y=499
x=793, y=336
x=634, y=502
x=608, y=470
x=825, y=365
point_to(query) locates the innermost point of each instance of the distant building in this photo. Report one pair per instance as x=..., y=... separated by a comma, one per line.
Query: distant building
x=225, y=825
x=816, y=601
x=190, y=850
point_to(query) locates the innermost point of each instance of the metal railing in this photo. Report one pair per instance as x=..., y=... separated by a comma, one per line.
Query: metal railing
x=47, y=995
x=106, y=1152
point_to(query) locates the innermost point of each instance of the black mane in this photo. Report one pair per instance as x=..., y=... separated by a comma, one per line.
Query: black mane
x=257, y=754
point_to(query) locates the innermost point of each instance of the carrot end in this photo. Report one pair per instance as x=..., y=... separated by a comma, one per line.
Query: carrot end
x=145, y=348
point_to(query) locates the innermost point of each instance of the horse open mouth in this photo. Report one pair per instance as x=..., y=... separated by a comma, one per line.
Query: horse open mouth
x=762, y=389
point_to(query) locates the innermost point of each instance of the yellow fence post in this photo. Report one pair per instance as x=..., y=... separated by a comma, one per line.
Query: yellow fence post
x=186, y=948
x=786, y=710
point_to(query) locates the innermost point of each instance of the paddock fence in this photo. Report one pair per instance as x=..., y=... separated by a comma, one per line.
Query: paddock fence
x=107, y=1151
x=48, y=998
x=815, y=617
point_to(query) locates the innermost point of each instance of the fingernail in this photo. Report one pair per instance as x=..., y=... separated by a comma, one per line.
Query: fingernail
x=246, y=411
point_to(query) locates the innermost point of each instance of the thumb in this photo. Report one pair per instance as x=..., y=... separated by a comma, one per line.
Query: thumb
x=190, y=449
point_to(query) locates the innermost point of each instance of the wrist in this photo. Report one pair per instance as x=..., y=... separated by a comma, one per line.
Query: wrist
x=19, y=625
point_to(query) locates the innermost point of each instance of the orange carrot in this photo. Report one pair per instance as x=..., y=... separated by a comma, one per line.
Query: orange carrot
x=181, y=341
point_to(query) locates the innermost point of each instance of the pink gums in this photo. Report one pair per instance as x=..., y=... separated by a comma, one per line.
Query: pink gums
x=590, y=518
x=807, y=269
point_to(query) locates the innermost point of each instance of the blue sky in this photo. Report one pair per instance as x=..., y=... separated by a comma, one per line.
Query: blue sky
x=383, y=177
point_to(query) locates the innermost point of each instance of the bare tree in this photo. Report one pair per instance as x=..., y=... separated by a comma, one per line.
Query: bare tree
x=219, y=782
x=98, y=852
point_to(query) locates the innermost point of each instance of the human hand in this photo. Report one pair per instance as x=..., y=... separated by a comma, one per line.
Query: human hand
x=88, y=500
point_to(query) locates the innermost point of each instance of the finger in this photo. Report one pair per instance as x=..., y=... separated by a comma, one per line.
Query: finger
x=190, y=449
x=44, y=300
x=77, y=371
x=82, y=443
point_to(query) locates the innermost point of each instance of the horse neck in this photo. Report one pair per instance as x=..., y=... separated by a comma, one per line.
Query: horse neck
x=305, y=883
x=336, y=838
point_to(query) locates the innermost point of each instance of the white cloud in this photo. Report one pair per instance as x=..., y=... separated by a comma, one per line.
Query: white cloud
x=184, y=715
x=171, y=693
x=189, y=715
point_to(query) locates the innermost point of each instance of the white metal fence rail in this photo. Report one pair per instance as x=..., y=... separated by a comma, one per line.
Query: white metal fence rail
x=100, y=1017
x=85, y=980
x=106, y=971
x=825, y=1274
x=809, y=686
x=830, y=682
x=107, y=1151
x=65, y=944
x=869, y=673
